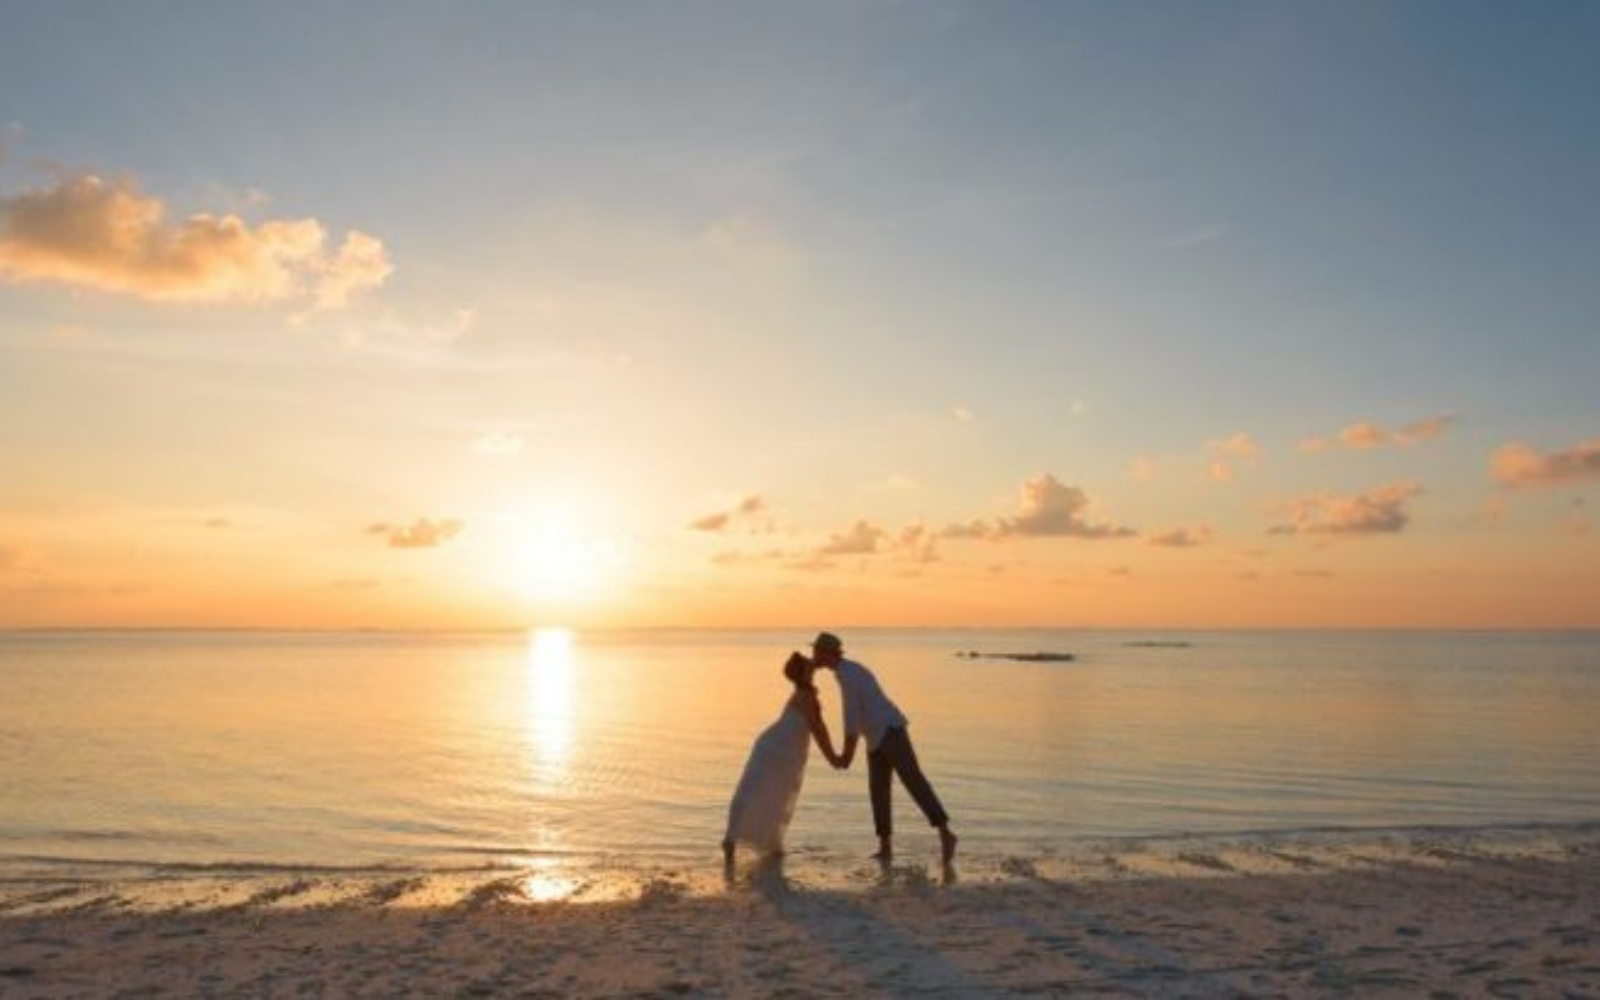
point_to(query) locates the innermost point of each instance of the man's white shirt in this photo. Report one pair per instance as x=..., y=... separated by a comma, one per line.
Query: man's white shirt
x=868, y=712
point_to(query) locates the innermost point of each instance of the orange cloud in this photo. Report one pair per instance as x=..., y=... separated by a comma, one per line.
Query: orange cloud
x=1047, y=508
x=88, y=232
x=423, y=533
x=1378, y=511
x=1519, y=465
x=1366, y=434
x=1363, y=435
x=1226, y=452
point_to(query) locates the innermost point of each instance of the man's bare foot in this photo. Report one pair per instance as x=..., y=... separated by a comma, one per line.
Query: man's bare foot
x=885, y=850
x=947, y=844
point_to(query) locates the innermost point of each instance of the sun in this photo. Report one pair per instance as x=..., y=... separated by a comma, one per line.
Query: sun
x=550, y=559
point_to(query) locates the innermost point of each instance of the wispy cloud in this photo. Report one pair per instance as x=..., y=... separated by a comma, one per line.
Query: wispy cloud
x=1377, y=511
x=1183, y=538
x=106, y=235
x=1519, y=465
x=862, y=538
x=917, y=542
x=913, y=543
x=750, y=503
x=423, y=533
x=1367, y=434
x=1047, y=507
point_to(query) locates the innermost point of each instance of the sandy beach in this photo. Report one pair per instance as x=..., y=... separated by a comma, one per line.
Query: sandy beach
x=1420, y=914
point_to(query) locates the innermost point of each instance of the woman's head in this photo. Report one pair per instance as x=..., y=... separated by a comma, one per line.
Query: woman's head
x=798, y=669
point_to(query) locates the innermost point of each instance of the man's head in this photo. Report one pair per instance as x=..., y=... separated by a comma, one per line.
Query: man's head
x=826, y=649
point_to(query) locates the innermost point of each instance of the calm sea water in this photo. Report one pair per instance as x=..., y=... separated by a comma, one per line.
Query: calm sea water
x=432, y=751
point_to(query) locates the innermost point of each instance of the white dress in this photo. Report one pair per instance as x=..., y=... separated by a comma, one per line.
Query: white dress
x=764, y=802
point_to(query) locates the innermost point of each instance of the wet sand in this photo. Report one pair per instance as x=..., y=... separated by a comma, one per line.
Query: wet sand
x=1405, y=915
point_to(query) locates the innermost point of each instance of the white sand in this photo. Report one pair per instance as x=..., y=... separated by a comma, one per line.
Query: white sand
x=1404, y=916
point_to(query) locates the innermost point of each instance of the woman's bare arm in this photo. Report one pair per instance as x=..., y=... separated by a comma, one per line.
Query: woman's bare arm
x=819, y=729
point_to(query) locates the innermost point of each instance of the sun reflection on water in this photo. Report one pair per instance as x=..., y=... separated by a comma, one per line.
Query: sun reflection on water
x=549, y=722
x=551, y=670
x=548, y=882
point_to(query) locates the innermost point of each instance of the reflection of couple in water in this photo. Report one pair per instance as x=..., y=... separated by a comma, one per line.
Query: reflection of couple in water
x=765, y=800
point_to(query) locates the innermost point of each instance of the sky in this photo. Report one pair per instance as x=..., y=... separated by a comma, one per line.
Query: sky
x=418, y=315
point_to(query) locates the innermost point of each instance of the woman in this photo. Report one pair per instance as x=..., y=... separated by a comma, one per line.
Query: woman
x=764, y=802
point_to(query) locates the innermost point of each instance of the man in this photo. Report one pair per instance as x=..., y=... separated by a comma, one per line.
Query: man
x=870, y=715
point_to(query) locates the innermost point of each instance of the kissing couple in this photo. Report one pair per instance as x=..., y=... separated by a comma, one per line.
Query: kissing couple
x=764, y=802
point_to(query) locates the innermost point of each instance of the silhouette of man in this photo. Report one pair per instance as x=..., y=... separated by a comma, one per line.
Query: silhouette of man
x=870, y=715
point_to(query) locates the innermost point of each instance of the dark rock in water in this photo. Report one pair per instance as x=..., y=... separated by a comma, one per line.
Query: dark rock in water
x=972, y=654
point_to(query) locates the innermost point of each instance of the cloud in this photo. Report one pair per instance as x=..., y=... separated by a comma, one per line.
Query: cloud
x=1183, y=538
x=916, y=542
x=971, y=529
x=1366, y=434
x=711, y=522
x=361, y=264
x=719, y=520
x=1047, y=508
x=1519, y=465
x=1363, y=435
x=861, y=539
x=423, y=533
x=1422, y=431
x=105, y=235
x=1378, y=511
x=1227, y=452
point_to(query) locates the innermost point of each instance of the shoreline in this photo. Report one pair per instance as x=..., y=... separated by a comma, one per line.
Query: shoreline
x=1439, y=912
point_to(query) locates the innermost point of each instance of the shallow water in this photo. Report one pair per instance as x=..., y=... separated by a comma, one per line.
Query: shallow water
x=368, y=753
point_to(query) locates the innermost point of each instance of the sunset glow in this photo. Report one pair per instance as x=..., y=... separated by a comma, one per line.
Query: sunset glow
x=958, y=315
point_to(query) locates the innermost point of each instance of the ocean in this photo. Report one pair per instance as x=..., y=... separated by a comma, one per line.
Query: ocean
x=150, y=753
